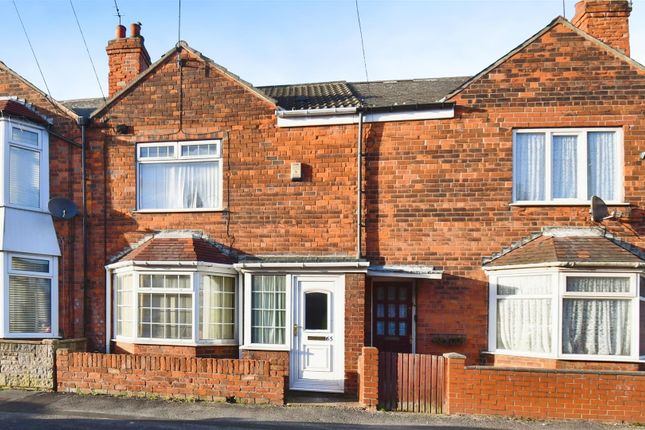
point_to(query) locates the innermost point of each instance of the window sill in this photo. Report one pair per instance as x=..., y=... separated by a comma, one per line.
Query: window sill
x=167, y=342
x=572, y=204
x=264, y=348
x=168, y=211
x=568, y=357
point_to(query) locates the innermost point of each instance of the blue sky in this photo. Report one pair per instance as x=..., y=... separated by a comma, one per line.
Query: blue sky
x=284, y=41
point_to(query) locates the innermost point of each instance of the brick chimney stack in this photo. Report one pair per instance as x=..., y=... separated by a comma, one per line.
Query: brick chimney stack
x=607, y=20
x=127, y=56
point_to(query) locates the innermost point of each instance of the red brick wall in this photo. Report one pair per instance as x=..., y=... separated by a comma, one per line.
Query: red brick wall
x=354, y=328
x=608, y=20
x=438, y=192
x=211, y=351
x=556, y=394
x=247, y=381
x=269, y=214
x=64, y=181
x=368, y=375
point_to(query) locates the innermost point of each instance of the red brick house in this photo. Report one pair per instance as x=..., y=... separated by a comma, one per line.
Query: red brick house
x=302, y=222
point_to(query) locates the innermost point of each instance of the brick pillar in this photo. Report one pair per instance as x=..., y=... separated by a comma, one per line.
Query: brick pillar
x=454, y=383
x=368, y=377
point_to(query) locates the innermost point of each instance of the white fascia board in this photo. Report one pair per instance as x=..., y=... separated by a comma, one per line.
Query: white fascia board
x=307, y=119
x=360, y=266
x=165, y=265
x=585, y=264
x=384, y=274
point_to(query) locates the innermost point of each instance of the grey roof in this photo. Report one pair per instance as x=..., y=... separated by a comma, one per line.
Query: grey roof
x=379, y=94
x=408, y=92
x=336, y=94
x=83, y=107
x=319, y=95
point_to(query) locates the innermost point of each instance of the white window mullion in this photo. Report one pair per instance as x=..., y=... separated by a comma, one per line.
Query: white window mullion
x=548, y=166
x=582, y=167
x=196, y=285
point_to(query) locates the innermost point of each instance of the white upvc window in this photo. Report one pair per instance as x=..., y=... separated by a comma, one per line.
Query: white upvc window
x=174, y=306
x=179, y=176
x=267, y=322
x=30, y=296
x=567, y=166
x=26, y=163
x=596, y=315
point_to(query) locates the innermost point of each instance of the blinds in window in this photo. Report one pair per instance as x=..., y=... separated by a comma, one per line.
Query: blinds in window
x=29, y=305
x=24, y=177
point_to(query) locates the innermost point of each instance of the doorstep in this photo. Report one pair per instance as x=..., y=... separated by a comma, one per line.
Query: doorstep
x=309, y=399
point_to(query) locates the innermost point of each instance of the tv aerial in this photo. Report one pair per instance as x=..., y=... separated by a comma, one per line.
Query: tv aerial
x=62, y=208
x=600, y=212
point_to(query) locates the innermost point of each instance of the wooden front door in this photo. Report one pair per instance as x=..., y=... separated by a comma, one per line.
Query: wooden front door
x=392, y=315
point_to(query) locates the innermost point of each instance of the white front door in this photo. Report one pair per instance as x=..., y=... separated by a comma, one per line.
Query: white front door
x=318, y=353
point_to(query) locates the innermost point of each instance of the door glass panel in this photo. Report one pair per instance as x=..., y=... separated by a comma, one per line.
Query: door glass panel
x=380, y=310
x=403, y=329
x=380, y=328
x=391, y=310
x=316, y=311
x=403, y=293
x=391, y=293
x=391, y=328
x=380, y=293
x=403, y=311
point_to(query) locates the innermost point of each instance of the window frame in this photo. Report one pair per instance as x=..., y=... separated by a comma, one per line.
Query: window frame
x=178, y=158
x=558, y=295
x=581, y=166
x=52, y=275
x=196, y=275
x=42, y=148
x=288, y=338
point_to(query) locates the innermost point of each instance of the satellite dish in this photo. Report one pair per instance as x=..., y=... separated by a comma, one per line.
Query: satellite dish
x=599, y=210
x=62, y=208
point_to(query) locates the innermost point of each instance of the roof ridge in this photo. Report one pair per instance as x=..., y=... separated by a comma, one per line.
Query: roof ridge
x=303, y=83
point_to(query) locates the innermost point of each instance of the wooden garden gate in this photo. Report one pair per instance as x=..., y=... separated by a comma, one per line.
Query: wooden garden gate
x=411, y=382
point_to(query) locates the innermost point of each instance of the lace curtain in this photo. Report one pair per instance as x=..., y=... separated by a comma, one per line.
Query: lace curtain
x=529, y=166
x=601, y=166
x=268, y=310
x=564, y=154
x=178, y=185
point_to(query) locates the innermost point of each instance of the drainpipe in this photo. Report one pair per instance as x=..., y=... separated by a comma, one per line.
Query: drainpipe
x=83, y=121
x=359, y=185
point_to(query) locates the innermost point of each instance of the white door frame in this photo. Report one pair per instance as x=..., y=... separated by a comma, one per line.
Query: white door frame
x=337, y=325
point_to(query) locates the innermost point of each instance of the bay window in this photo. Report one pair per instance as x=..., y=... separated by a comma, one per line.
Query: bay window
x=174, y=307
x=179, y=176
x=31, y=296
x=567, y=165
x=567, y=314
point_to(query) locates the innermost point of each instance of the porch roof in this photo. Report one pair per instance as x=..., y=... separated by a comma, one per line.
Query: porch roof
x=178, y=249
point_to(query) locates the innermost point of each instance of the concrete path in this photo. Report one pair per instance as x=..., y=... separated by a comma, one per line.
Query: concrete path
x=26, y=410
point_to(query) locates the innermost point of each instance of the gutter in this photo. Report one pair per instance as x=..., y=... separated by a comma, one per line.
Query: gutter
x=569, y=264
x=281, y=113
x=312, y=265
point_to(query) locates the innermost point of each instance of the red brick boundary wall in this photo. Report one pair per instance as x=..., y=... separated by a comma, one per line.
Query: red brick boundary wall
x=368, y=378
x=609, y=396
x=210, y=379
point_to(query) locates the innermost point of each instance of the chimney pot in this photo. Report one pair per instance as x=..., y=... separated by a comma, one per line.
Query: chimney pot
x=120, y=31
x=135, y=29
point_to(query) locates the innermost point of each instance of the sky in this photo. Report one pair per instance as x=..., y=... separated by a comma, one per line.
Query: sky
x=270, y=42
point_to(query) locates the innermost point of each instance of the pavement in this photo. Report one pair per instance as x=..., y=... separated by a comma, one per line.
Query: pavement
x=28, y=410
